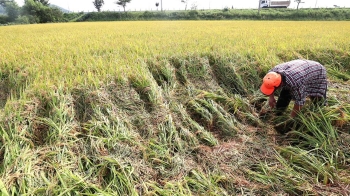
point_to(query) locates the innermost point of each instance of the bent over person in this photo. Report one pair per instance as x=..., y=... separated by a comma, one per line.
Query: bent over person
x=297, y=79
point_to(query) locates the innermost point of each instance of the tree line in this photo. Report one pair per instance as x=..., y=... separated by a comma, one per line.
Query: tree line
x=33, y=11
x=323, y=14
x=40, y=11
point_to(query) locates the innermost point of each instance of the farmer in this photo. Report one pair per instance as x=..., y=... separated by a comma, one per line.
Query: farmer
x=297, y=79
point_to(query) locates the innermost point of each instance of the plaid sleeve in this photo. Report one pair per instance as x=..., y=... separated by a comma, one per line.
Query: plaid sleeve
x=299, y=95
x=304, y=78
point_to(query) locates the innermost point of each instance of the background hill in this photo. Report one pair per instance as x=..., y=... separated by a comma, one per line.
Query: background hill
x=60, y=8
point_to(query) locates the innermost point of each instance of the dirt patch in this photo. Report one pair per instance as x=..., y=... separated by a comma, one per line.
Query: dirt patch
x=338, y=91
x=40, y=133
x=82, y=104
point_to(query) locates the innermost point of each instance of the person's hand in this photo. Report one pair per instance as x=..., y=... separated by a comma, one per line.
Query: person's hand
x=272, y=101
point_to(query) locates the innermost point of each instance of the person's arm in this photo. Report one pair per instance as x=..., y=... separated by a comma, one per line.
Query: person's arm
x=272, y=101
x=295, y=110
x=299, y=95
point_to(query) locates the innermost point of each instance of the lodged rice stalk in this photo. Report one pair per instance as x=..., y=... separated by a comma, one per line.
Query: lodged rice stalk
x=167, y=108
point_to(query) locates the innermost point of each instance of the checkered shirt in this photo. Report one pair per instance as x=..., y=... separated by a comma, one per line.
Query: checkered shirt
x=304, y=78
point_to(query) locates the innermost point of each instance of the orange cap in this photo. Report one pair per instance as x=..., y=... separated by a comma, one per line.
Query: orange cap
x=270, y=82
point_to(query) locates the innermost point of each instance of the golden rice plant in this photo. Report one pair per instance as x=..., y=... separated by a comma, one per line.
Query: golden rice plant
x=141, y=108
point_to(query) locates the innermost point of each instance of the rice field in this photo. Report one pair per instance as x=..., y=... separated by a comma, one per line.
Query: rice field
x=168, y=108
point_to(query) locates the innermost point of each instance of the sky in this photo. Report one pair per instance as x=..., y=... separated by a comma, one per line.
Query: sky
x=143, y=5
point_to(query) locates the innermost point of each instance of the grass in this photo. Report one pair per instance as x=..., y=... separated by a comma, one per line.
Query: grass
x=168, y=108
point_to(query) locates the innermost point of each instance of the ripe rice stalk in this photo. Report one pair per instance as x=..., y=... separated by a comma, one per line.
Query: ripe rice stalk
x=184, y=131
x=143, y=82
x=227, y=75
x=118, y=177
x=317, y=131
x=3, y=189
x=178, y=188
x=166, y=161
x=338, y=74
x=188, y=137
x=281, y=175
x=203, y=135
x=73, y=183
x=42, y=66
x=203, y=184
x=314, y=165
x=162, y=72
x=202, y=112
x=182, y=74
x=222, y=121
x=236, y=104
x=108, y=126
x=197, y=68
x=339, y=115
x=169, y=135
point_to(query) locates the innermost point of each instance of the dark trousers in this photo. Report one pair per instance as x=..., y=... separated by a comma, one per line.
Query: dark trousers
x=286, y=96
x=283, y=101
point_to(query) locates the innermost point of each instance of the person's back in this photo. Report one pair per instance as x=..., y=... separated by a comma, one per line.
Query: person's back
x=297, y=79
x=304, y=78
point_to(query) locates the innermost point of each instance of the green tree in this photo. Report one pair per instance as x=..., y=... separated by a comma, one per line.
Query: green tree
x=123, y=3
x=98, y=4
x=44, y=2
x=3, y=3
x=37, y=12
x=12, y=11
